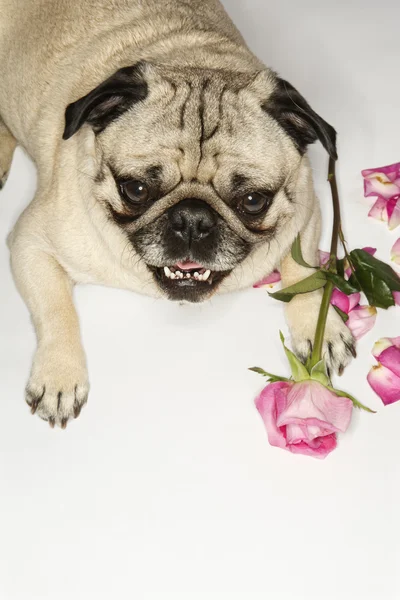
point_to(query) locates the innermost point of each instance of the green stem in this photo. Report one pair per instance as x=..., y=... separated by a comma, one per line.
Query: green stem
x=343, y=241
x=325, y=303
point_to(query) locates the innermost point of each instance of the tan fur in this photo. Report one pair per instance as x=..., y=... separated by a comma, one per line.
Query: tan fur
x=53, y=52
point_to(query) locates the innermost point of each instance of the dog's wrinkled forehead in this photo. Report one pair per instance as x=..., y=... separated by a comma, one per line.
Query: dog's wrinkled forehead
x=201, y=125
x=200, y=129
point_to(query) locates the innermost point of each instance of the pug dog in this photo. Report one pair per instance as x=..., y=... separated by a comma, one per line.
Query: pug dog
x=171, y=162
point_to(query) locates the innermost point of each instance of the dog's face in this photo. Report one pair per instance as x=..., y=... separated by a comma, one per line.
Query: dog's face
x=197, y=167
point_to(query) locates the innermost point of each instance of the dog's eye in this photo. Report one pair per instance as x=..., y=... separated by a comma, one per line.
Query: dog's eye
x=135, y=191
x=254, y=203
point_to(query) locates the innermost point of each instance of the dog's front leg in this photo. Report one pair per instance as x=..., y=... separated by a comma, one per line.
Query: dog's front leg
x=58, y=385
x=8, y=144
x=302, y=312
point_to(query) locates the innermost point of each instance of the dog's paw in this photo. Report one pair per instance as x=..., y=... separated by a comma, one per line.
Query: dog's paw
x=58, y=386
x=339, y=345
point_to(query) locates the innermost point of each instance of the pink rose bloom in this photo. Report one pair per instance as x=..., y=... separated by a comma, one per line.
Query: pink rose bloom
x=385, y=377
x=303, y=417
x=361, y=318
x=268, y=281
x=384, y=182
x=395, y=253
x=396, y=296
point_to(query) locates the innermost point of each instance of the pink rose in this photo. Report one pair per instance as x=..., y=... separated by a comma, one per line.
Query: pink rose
x=361, y=318
x=303, y=417
x=385, y=377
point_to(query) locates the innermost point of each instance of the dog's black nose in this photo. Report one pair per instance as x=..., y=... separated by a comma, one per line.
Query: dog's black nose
x=192, y=219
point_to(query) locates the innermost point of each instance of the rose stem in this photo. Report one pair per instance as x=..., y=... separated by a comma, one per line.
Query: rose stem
x=325, y=303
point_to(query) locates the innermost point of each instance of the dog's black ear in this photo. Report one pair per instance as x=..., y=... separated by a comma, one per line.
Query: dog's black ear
x=108, y=101
x=298, y=119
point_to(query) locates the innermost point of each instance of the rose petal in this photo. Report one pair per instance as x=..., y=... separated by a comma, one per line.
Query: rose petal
x=311, y=400
x=396, y=296
x=272, y=278
x=307, y=430
x=323, y=257
x=370, y=250
x=269, y=404
x=380, y=185
x=383, y=181
x=379, y=210
x=384, y=343
x=361, y=320
x=390, y=358
x=384, y=383
x=320, y=449
x=342, y=301
x=392, y=172
x=393, y=212
x=395, y=252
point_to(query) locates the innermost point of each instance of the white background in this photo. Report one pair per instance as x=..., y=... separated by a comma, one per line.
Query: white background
x=166, y=487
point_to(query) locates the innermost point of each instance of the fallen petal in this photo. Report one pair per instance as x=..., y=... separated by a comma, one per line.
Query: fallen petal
x=381, y=345
x=342, y=301
x=393, y=212
x=392, y=172
x=323, y=257
x=384, y=383
x=395, y=252
x=361, y=320
x=379, y=210
x=380, y=185
x=390, y=358
x=383, y=181
x=274, y=277
x=370, y=250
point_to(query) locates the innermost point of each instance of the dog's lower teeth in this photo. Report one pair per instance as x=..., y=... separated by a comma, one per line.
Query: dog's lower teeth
x=204, y=275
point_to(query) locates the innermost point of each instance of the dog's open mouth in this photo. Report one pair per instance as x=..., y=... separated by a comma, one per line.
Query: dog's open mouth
x=188, y=280
x=188, y=271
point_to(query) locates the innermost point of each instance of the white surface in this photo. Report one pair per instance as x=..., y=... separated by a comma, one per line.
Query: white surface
x=166, y=487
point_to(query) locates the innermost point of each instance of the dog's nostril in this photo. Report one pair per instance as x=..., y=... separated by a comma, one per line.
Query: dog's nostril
x=206, y=224
x=178, y=223
x=192, y=219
